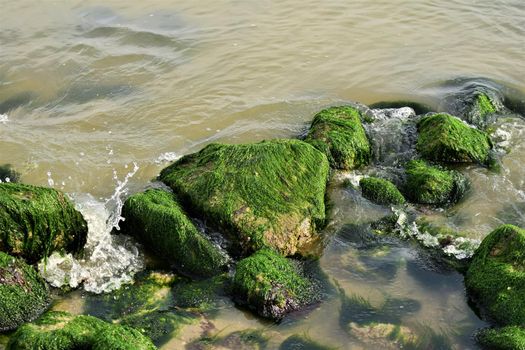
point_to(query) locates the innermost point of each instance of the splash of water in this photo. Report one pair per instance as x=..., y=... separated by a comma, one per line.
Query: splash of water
x=108, y=261
x=167, y=157
x=4, y=118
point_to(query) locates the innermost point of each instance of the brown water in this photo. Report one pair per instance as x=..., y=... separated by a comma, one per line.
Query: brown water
x=87, y=88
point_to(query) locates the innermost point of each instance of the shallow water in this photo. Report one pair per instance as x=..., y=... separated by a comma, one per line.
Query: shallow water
x=87, y=88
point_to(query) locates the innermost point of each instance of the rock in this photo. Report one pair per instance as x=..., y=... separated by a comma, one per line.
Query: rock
x=380, y=191
x=35, y=221
x=8, y=174
x=386, y=335
x=338, y=132
x=298, y=342
x=202, y=295
x=419, y=108
x=495, y=277
x=426, y=184
x=271, y=285
x=265, y=194
x=63, y=331
x=155, y=219
x=444, y=138
x=24, y=295
x=248, y=339
x=506, y=338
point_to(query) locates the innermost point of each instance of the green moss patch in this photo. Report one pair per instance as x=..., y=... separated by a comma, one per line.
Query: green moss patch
x=24, y=295
x=338, y=132
x=426, y=184
x=380, y=191
x=271, y=285
x=265, y=194
x=156, y=219
x=506, y=338
x=445, y=138
x=35, y=221
x=496, y=277
x=202, y=295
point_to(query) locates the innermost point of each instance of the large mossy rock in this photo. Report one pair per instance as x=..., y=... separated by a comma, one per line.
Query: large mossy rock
x=271, y=285
x=35, y=221
x=265, y=194
x=426, y=184
x=380, y=191
x=24, y=295
x=444, y=138
x=338, y=132
x=155, y=219
x=496, y=276
x=506, y=338
x=62, y=331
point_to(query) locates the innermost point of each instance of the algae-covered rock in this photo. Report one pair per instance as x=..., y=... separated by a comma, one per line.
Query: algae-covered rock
x=506, y=338
x=248, y=339
x=265, y=194
x=496, y=277
x=380, y=191
x=445, y=138
x=63, y=331
x=35, y=221
x=338, y=132
x=200, y=295
x=24, y=295
x=271, y=285
x=156, y=219
x=426, y=184
x=298, y=342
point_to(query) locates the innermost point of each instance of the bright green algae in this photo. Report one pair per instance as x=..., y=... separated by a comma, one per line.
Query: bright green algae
x=506, y=338
x=380, y=191
x=264, y=194
x=426, y=184
x=445, y=138
x=156, y=219
x=339, y=133
x=62, y=331
x=35, y=221
x=271, y=285
x=496, y=277
x=24, y=295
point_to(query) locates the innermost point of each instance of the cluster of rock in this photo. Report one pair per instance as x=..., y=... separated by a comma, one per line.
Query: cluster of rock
x=267, y=201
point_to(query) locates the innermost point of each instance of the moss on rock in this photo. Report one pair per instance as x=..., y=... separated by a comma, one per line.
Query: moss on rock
x=338, y=132
x=265, y=194
x=271, y=285
x=200, y=295
x=24, y=295
x=506, y=338
x=445, y=138
x=63, y=331
x=380, y=191
x=301, y=342
x=248, y=339
x=35, y=221
x=426, y=184
x=496, y=277
x=156, y=219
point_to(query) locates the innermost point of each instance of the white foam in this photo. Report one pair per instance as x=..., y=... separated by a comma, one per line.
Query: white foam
x=4, y=118
x=167, y=157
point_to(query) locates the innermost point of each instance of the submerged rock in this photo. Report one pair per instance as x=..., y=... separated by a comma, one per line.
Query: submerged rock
x=506, y=338
x=62, y=331
x=23, y=293
x=35, y=221
x=202, y=295
x=248, y=339
x=380, y=191
x=271, y=285
x=495, y=277
x=298, y=342
x=338, y=132
x=426, y=184
x=444, y=138
x=156, y=219
x=265, y=194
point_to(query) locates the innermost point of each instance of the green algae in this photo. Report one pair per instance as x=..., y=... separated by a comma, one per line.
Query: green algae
x=247, y=339
x=264, y=194
x=445, y=138
x=506, y=338
x=380, y=191
x=24, y=295
x=339, y=133
x=35, y=221
x=302, y=342
x=426, y=184
x=202, y=295
x=271, y=285
x=157, y=220
x=63, y=331
x=496, y=277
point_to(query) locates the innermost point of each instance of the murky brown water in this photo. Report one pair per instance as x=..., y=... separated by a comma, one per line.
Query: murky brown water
x=87, y=88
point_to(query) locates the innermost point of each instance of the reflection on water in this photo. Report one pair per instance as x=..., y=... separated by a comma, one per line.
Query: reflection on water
x=87, y=87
